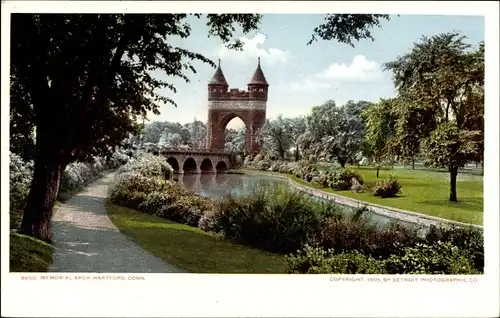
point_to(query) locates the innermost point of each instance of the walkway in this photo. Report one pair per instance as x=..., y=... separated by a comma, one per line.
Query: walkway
x=87, y=241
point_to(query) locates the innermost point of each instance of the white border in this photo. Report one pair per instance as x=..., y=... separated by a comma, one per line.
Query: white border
x=264, y=295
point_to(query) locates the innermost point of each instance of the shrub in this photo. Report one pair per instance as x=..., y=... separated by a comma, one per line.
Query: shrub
x=208, y=222
x=76, y=175
x=311, y=260
x=302, y=168
x=465, y=238
x=276, y=220
x=386, y=188
x=263, y=165
x=345, y=234
x=141, y=185
x=20, y=175
x=309, y=176
x=342, y=178
x=119, y=158
x=438, y=258
x=320, y=179
x=288, y=167
x=149, y=165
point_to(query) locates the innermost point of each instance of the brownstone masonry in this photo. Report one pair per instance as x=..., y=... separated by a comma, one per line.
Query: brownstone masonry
x=225, y=104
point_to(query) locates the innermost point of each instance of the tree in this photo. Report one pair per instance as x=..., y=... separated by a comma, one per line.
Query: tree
x=297, y=127
x=235, y=140
x=197, y=131
x=170, y=140
x=336, y=132
x=83, y=82
x=347, y=28
x=445, y=78
x=86, y=79
x=276, y=136
x=379, y=131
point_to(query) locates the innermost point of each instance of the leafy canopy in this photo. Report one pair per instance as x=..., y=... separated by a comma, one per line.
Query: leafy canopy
x=441, y=84
x=85, y=80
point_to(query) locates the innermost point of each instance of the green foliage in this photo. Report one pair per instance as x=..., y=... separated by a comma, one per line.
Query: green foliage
x=465, y=238
x=438, y=258
x=334, y=132
x=348, y=234
x=141, y=185
x=342, y=178
x=276, y=220
x=279, y=135
x=311, y=260
x=347, y=28
x=379, y=130
x=387, y=188
x=449, y=146
x=97, y=51
x=303, y=167
x=441, y=85
x=20, y=175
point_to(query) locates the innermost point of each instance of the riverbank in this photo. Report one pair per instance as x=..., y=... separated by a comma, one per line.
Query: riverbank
x=340, y=198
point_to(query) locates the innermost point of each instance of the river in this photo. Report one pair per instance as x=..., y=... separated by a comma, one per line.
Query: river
x=217, y=186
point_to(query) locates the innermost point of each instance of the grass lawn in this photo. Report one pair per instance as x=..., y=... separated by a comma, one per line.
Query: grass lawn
x=28, y=254
x=424, y=191
x=190, y=248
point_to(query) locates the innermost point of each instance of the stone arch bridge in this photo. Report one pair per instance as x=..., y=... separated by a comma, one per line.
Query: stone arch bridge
x=198, y=160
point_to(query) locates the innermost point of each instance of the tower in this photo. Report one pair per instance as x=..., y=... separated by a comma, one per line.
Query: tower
x=224, y=105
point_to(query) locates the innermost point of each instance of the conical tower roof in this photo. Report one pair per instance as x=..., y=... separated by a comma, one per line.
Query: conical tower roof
x=218, y=78
x=258, y=76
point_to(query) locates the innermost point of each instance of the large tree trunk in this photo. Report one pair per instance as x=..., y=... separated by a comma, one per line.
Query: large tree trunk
x=296, y=153
x=412, y=163
x=453, y=184
x=378, y=170
x=43, y=192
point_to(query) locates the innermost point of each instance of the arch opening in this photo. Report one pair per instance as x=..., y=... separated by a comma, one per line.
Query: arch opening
x=235, y=134
x=189, y=166
x=206, y=165
x=221, y=166
x=172, y=161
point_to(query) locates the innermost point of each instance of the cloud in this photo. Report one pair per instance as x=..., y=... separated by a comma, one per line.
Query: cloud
x=252, y=50
x=360, y=70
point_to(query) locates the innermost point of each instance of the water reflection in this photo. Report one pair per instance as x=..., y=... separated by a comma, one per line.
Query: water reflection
x=217, y=186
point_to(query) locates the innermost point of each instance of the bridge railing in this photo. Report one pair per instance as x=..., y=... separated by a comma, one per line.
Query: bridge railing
x=195, y=151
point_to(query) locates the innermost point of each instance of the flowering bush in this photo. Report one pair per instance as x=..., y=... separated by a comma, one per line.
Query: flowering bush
x=119, y=158
x=288, y=167
x=141, y=185
x=342, y=178
x=302, y=168
x=149, y=165
x=386, y=188
x=320, y=179
x=20, y=174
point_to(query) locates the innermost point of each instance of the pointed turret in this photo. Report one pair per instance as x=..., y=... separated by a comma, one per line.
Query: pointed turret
x=258, y=77
x=218, y=78
x=258, y=86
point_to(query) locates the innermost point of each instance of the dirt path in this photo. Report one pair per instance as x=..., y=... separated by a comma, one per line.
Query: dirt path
x=87, y=241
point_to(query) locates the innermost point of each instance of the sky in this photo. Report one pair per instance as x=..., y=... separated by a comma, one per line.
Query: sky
x=301, y=76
